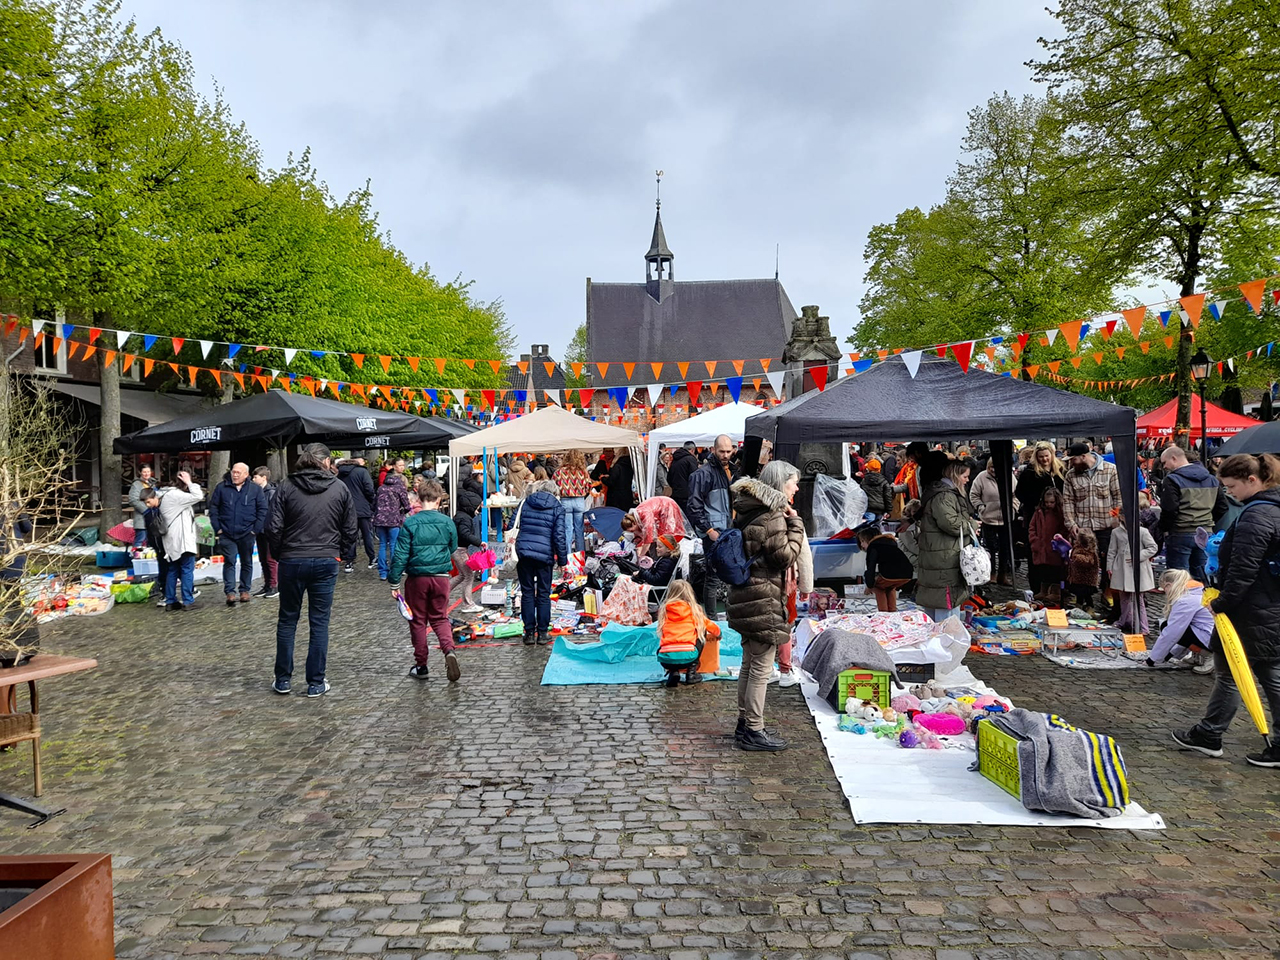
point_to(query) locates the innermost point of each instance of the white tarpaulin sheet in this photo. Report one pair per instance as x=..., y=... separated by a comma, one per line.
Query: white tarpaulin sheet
x=887, y=784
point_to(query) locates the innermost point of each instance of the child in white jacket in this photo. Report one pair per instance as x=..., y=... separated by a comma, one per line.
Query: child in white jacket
x=1128, y=581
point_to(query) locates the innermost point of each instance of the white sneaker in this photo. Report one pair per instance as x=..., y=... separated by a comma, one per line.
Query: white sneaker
x=777, y=675
x=473, y=608
x=1202, y=663
x=790, y=679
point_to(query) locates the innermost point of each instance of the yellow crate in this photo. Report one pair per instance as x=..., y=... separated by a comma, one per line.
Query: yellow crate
x=859, y=685
x=998, y=758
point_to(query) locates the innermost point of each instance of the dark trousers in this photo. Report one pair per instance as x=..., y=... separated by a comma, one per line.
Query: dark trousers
x=231, y=547
x=314, y=577
x=1225, y=699
x=713, y=588
x=996, y=543
x=1181, y=553
x=428, y=599
x=1104, y=543
x=535, y=594
x=270, y=568
x=367, y=538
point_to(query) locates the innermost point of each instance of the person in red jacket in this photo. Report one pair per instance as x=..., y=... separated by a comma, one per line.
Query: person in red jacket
x=683, y=630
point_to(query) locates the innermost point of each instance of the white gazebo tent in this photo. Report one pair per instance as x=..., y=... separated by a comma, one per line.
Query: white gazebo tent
x=729, y=419
x=548, y=430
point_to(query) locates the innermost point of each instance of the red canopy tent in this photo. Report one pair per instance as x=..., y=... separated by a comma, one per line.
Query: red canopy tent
x=1220, y=423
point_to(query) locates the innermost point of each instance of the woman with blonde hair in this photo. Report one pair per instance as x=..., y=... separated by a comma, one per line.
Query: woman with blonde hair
x=683, y=630
x=1188, y=627
x=575, y=496
x=1044, y=471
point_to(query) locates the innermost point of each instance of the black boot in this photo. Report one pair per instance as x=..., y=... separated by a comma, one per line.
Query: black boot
x=528, y=639
x=759, y=740
x=543, y=639
x=742, y=728
x=673, y=679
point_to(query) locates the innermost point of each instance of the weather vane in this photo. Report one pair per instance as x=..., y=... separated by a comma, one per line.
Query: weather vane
x=658, y=174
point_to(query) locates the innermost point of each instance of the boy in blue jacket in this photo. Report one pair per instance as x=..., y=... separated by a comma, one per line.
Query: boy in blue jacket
x=424, y=551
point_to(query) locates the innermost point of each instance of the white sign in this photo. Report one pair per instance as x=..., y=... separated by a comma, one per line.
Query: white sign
x=366, y=423
x=206, y=435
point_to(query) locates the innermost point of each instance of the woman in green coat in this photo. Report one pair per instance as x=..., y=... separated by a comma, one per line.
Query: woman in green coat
x=944, y=517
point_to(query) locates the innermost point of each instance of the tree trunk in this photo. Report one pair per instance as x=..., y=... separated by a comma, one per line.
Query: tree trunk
x=220, y=460
x=1186, y=343
x=111, y=470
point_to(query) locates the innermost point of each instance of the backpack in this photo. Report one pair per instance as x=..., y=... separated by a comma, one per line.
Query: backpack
x=728, y=557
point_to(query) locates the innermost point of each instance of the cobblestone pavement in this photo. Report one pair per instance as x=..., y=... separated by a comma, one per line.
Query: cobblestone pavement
x=498, y=818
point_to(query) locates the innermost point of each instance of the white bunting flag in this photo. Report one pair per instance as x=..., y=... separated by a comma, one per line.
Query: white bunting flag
x=205, y=347
x=553, y=396
x=655, y=392
x=289, y=354
x=122, y=337
x=1186, y=317
x=775, y=378
x=911, y=361
x=1051, y=335
x=37, y=325
x=462, y=397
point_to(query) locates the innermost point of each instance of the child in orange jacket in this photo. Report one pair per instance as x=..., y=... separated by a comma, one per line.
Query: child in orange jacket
x=683, y=630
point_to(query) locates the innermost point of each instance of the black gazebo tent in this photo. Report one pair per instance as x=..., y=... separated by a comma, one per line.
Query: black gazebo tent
x=279, y=418
x=943, y=403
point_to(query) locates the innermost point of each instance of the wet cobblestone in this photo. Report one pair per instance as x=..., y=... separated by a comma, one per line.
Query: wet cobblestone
x=498, y=818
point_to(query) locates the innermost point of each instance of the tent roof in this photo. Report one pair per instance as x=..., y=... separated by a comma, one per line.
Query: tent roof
x=544, y=431
x=1221, y=423
x=1260, y=438
x=282, y=418
x=731, y=418
x=939, y=403
x=143, y=404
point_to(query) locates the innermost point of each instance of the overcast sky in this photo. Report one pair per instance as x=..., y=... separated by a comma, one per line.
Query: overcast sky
x=514, y=143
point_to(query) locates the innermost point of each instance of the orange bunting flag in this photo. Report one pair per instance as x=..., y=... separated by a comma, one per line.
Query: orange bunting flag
x=657, y=370
x=1168, y=343
x=602, y=369
x=577, y=370
x=711, y=368
x=72, y=345
x=756, y=383
x=310, y=385
x=239, y=379
x=1145, y=345
x=738, y=365
x=39, y=339
x=1097, y=357
x=1134, y=318
x=22, y=338
x=217, y=375
x=1194, y=305
x=1032, y=370
x=386, y=363
x=1072, y=332
x=630, y=368
x=471, y=364
x=174, y=368
x=1076, y=361
x=333, y=387
x=764, y=364
x=684, y=369
x=108, y=357
x=991, y=353
x=1253, y=291
x=523, y=367
x=192, y=372
x=358, y=359
x=413, y=363
x=855, y=357
x=1054, y=365
x=1120, y=352
x=882, y=354
x=550, y=367
x=89, y=352
x=1044, y=341
x=284, y=382
x=494, y=365
x=439, y=362
x=147, y=364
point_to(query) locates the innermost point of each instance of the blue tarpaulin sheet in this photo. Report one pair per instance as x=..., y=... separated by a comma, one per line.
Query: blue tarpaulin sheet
x=627, y=655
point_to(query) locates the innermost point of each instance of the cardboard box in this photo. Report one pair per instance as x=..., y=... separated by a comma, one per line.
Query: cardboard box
x=493, y=596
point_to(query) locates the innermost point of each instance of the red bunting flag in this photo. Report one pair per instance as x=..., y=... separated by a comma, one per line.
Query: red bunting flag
x=963, y=352
x=94, y=334
x=942, y=350
x=819, y=376
x=584, y=397
x=695, y=388
x=177, y=345
x=488, y=396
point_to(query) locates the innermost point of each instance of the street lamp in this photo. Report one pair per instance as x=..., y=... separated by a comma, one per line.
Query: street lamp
x=1201, y=364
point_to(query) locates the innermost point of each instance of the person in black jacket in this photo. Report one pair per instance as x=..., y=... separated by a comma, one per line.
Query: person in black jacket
x=541, y=545
x=888, y=568
x=683, y=464
x=619, y=482
x=238, y=512
x=313, y=521
x=1249, y=561
x=270, y=568
x=356, y=476
x=464, y=518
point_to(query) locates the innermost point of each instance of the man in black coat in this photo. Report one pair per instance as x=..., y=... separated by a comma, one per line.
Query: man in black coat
x=683, y=463
x=238, y=512
x=313, y=520
x=356, y=476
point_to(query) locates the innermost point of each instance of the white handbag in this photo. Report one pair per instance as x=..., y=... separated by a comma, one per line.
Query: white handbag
x=509, y=558
x=975, y=562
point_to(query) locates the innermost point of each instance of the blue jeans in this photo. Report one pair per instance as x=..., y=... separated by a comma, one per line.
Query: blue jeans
x=387, y=537
x=233, y=547
x=315, y=577
x=182, y=570
x=1181, y=553
x=575, y=509
x=140, y=537
x=535, y=595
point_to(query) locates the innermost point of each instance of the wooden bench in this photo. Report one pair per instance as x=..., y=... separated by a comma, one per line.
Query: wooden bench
x=18, y=727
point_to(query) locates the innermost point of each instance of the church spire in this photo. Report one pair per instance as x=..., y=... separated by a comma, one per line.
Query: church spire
x=659, y=258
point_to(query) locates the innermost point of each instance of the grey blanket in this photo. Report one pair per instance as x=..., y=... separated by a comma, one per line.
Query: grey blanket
x=1065, y=770
x=835, y=650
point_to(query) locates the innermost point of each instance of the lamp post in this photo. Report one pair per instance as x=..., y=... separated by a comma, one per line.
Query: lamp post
x=1201, y=364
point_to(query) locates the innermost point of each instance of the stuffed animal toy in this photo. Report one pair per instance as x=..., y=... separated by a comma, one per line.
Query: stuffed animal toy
x=989, y=703
x=904, y=702
x=934, y=704
x=958, y=708
x=891, y=729
x=908, y=739
x=943, y=724
x=890, y=715
x=928, y=691
x=867, y=711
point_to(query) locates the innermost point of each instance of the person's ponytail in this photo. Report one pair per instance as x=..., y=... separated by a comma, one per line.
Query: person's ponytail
x=1242, y=466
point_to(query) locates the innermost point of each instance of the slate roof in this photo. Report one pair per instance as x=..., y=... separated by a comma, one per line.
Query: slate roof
x=658, y=245
x=538, y=373
x=695, y=320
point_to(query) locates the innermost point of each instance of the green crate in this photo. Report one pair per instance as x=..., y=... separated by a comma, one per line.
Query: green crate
x=859, y=685
x=998, y=758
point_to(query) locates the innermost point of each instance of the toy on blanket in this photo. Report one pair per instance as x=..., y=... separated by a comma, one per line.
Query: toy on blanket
x=866, y=710
x=883, y=729
x=904, y=702
x=943, y=724
x=928, y=691
x=851, y=724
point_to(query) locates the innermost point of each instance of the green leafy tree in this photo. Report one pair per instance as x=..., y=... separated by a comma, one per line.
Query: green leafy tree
x=1175, y=106
x=576, y=352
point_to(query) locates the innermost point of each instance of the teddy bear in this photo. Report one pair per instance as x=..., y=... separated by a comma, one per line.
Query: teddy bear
x=928, y=691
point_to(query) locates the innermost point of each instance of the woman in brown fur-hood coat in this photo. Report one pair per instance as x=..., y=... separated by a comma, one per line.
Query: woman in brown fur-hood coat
x=758, y=608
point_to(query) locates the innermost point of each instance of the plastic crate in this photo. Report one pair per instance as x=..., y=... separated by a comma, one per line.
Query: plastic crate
x=862, y=685
x=113, y=558
x=998, y=758
x=143, y=567
x=915, y=672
